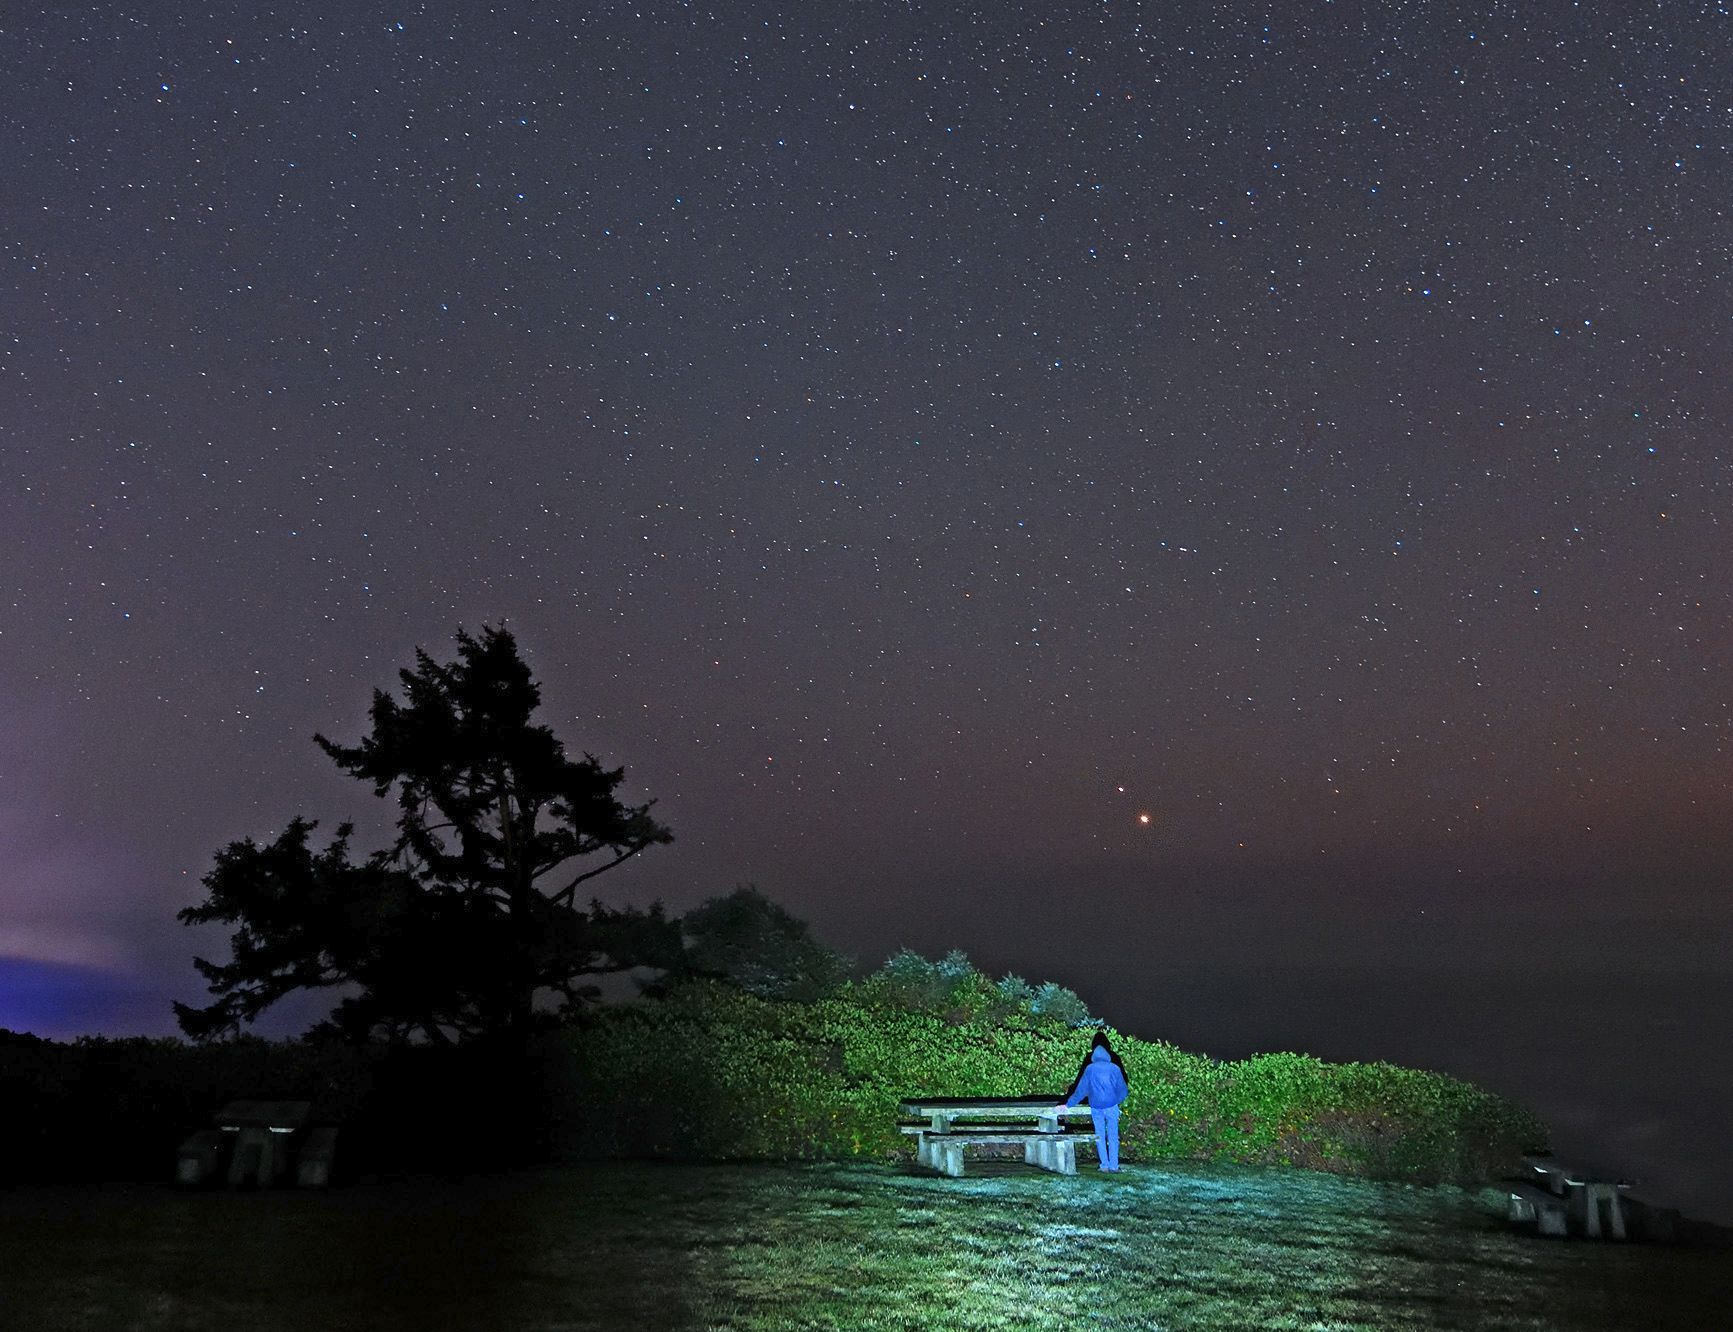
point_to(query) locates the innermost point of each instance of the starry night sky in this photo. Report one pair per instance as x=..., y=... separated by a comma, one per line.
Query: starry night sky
x=916, y=440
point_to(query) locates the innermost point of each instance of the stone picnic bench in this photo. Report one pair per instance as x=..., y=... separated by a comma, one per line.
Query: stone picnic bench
x=252, y=1143
x=1559, y=1198
x=954, y=1122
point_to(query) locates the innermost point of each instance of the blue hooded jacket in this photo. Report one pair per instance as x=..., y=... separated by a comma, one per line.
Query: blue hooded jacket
x=1102, y=1084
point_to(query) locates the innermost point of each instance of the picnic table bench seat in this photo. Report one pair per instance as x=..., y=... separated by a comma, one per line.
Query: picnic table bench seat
x=252, y=1144
x=953, y=1122
x=1529, y=1202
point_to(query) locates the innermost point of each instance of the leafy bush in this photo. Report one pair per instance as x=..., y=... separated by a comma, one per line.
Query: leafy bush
x=1059, y=1004
x=714, y=1073
x=952, y=988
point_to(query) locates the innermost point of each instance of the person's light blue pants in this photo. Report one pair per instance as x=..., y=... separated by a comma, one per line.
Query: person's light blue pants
x=1106, y=1136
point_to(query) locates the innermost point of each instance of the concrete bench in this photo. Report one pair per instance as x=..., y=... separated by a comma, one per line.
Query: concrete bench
x=1029, y=1120
x=944, y=1151
x=1541, y=1206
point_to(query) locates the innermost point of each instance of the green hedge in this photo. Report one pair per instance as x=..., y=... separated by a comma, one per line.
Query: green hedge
x=713, y=1073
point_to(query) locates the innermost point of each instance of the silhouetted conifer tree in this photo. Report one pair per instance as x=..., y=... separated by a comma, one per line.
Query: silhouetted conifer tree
x=471, y=917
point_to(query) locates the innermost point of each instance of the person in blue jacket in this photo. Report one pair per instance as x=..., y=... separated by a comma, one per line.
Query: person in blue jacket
x=1102, y=1083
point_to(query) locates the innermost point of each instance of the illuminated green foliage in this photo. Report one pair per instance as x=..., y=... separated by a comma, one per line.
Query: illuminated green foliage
x=952, y=988
x=711, y=1072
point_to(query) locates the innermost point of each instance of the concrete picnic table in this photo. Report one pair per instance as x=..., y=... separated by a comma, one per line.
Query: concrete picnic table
x=1030, y=1120
x=259, y=1125
x=256, y=1139
x=1584, y=1193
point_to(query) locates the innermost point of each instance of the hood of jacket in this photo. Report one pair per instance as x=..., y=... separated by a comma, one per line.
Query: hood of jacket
x=1101, y=1056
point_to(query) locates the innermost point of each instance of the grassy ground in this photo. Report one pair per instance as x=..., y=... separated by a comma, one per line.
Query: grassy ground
x=859, y=1247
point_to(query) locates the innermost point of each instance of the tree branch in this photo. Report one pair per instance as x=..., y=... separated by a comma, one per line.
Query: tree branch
x=565, y=894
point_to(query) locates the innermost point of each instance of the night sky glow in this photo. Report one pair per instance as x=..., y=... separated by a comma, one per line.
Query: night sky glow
x=1253, y=475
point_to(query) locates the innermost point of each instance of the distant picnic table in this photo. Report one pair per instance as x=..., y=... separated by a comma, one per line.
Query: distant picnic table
x=256, y=1140
x=1572, y=1198
x=954, y=1122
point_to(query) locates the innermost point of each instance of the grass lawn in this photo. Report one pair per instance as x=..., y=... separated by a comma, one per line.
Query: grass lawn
x=650, y=1247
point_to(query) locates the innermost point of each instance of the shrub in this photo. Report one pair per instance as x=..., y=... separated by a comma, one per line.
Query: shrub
x=952, y=988
x=716, y=1074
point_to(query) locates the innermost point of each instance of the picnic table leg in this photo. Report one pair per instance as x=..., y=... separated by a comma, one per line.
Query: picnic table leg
x=251, y=1157
x=941, y=1155
x=1056, y=1154
x=1042, y=1152
x=1591, y=1210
